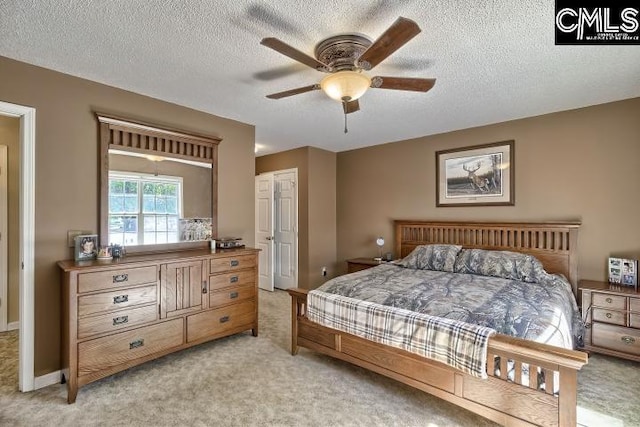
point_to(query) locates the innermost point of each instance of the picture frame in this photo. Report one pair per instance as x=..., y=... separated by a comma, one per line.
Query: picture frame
x=479, y=175
x=86, y=247
x=623, y=271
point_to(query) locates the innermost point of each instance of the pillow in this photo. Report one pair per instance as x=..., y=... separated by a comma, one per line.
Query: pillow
x=505, y=264
x=432, y=257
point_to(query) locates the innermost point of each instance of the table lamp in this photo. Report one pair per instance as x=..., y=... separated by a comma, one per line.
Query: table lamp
x=380, y=243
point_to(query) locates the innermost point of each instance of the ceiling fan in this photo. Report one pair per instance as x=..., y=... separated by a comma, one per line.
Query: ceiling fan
x=346, y=57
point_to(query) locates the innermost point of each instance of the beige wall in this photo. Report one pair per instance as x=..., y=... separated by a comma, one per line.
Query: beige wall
x=581, y=164
x=322, y=216
x=67, y=179
x=316, y=209
x=9, y=136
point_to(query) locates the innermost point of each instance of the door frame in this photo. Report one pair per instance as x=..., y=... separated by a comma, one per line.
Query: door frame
x=4, y=236
x=297, y=219
x=296, y=222
x=27, y=116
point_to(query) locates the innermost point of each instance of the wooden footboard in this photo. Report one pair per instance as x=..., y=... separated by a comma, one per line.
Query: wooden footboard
x=513, y=401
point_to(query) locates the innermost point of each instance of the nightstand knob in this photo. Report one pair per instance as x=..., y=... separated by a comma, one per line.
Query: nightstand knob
x=608, y=315
x=609, y=300
x=627, y=339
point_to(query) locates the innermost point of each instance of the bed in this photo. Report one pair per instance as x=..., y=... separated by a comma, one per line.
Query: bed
x=507, y=395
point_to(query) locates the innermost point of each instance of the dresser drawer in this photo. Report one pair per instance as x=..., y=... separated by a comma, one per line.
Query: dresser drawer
x=626, y=340
x=236, y=278
x=231, y=295
x=115, y=300
x=218, y=265
x=610, y=316
x=634, y=304
x=101, y=280
x=615, y=302
x=634, y=320
x=214, y=322
x=116, y=320
x=114, y=350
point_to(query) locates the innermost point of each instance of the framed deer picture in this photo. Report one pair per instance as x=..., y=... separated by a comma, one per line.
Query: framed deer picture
x=482, y=175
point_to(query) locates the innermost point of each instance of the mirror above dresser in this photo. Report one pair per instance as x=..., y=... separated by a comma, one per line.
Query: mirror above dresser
x=158, y=186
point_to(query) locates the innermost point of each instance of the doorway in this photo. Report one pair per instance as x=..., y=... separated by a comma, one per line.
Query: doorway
x=276, y=201
x=27, y=142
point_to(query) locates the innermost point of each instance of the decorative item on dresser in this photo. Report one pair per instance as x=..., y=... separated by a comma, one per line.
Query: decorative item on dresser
x=121, y=313
x=612, y=315
x=505, y=396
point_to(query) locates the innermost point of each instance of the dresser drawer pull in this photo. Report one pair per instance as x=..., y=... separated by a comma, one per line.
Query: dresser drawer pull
x=119, y=278
x=120, y=320
x=235, y=263
x=136, y=344
x=609, y=300
x=233, y=295
x=233, y=279
x=627, y=339
x=224, y=319
x=120, y=299
x=608, y=315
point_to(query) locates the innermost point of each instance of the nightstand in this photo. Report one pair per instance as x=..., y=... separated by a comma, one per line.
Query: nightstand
x=612, y=316
x=357, y=264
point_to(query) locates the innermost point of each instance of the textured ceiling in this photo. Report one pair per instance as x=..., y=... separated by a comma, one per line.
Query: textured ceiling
x=493, y=60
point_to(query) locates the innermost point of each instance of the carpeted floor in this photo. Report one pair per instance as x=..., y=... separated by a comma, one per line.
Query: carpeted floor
x=248, y=381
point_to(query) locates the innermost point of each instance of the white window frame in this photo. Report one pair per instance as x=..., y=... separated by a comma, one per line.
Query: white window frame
x=147, y=177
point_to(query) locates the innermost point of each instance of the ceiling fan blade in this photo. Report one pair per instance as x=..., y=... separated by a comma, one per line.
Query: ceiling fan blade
x=391, y=40
x=293, y=53
x=292, y=92
x=403, y=83
x=351, y=106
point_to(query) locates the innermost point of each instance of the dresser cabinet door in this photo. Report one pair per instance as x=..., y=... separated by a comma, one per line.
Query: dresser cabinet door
x=183, y=288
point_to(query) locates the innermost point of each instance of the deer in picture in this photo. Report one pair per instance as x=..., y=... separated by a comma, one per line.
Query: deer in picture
x=476, y=182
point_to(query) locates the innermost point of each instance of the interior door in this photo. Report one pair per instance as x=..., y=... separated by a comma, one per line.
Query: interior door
x=264, y=230
x=4, y=254
x=285, y=229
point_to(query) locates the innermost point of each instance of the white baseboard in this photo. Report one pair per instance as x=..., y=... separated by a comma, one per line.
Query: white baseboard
x=12, y=326
x=48, y=379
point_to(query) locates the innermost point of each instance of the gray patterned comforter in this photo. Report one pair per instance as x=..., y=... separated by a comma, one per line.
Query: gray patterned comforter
x=543, y=312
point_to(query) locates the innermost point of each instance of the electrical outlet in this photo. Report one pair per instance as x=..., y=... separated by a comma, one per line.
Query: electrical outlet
x=71, y=235
x=324, y=271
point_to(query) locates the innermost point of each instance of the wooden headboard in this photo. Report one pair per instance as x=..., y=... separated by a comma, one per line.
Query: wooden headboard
x=555, y=244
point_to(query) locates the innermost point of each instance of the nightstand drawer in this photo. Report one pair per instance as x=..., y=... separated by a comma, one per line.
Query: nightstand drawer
x=614, y=302
x=634, y=304
x=609, y=316
x=626, y=340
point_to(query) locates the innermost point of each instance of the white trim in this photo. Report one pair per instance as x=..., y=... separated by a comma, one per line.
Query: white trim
x=45, y=380
x=26, y=380
x=12, y=326
x=4, y=236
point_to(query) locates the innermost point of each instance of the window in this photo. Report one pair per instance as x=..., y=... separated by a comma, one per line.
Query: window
x=144, y=209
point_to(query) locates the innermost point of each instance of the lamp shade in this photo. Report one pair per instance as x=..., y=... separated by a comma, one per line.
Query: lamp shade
x=345, y=85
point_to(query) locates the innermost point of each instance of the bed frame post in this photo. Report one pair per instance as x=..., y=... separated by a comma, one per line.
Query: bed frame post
x=298, y=302
x=568, y=397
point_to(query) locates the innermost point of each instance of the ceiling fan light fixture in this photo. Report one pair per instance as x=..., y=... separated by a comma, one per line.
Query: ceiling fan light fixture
x=345, y=85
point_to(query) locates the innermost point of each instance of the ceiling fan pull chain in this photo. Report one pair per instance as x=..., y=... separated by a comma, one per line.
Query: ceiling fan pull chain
x=345, y=123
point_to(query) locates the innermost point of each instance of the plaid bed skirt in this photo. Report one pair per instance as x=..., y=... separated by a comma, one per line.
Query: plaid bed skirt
x=457, y=344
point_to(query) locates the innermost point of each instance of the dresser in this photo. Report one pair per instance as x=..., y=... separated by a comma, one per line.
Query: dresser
x=124, y=312
x=612, y=316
